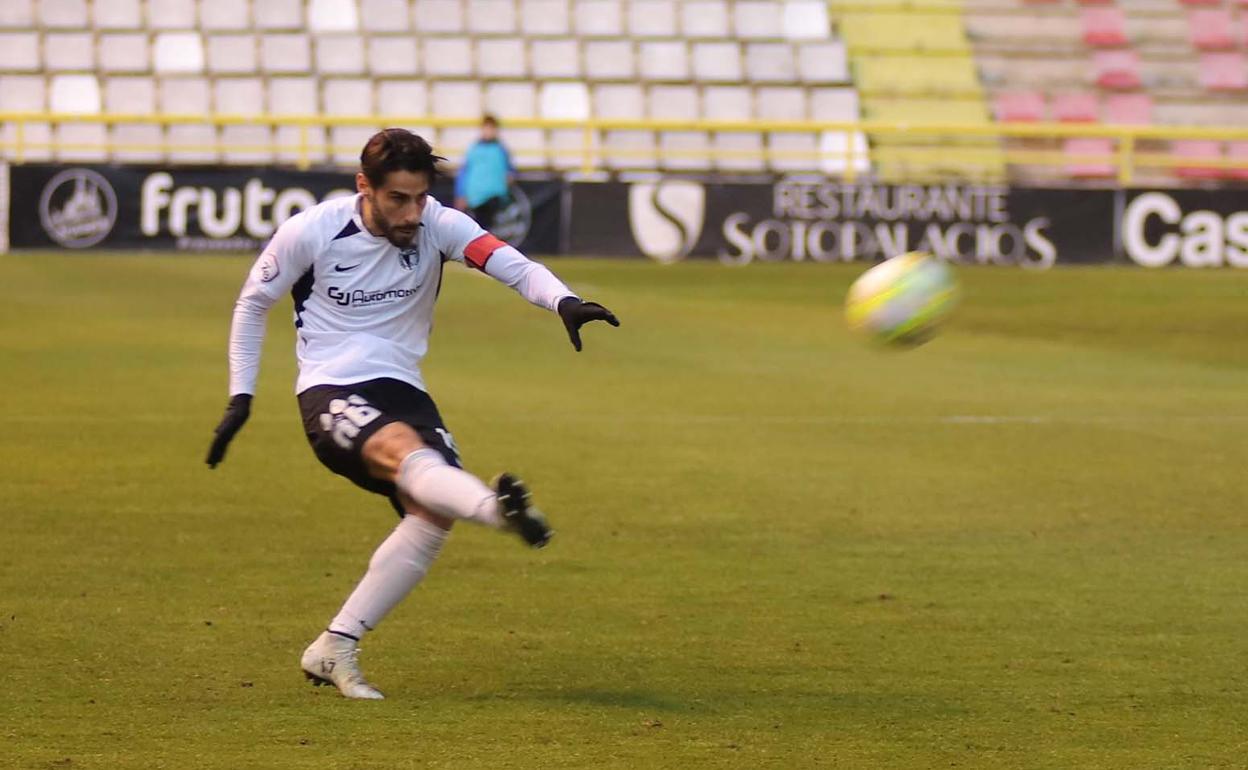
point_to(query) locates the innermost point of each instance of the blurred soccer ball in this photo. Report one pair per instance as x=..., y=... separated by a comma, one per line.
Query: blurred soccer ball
x=903, y=300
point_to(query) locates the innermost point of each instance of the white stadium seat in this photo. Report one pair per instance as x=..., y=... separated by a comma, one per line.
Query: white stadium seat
x=663, y=60
x=794, y=152
x=557, y=58
x=833, y=146
x=124, y=52
x=717, y=62
x=438, y=16
x=189, y=143
x=728, y=103
x=624, y=101
x=340, y=55
x=242, y=143
x=824, y=62
x=678, y=150
x=82, y=142
x=388, y=16
x=837, y=104
x=278, y=14
x=18, y=14
x=26, y=93
x=285, y=53
x=232, y=54
x=652, y=18
x=171, y=14
x=806, y=20
x=610, y=60
x=134, y=96
x=545, y=17
x=564, y=101
x=178, y=53
x=491, y=17
x=501, y=57
x=63, y=14
x=224, y=15
x=448, y=56
x=786, y=103
x=406, y=98
x=457, y=99
x=117, y=14
x=757, y=20
x=74, y=93
x=333, y=16
x=296, y=96
x=599, y=18
x=704, y=18
x=19, y=52
x=770, y=63
x=511, y=100
x=393, y=55
x=68, y=51
x=354, y=97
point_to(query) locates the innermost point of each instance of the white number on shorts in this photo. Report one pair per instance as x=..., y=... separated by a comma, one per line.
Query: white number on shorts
x=346, y=417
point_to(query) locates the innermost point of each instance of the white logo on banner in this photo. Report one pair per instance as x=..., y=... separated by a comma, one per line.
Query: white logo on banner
x=666, y=217
x=78, y=208
x=1195, y=239
x=512, y=222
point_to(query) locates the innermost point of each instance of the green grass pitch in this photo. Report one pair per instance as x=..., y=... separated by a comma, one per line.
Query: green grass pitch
x=1022, y=545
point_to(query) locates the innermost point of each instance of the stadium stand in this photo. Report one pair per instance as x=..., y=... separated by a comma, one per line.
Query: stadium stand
x=268, y=64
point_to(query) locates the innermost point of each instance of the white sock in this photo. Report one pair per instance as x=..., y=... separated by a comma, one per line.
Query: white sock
x=446, y=490
x=398, y=564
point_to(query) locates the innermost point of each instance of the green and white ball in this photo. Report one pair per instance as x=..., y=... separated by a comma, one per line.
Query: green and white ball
x=903, y=300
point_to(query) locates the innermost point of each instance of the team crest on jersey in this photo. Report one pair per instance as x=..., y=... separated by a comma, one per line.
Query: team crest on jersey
x=409, y=258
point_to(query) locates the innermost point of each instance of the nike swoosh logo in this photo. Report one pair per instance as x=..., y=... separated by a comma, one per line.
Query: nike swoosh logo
x=343, y=269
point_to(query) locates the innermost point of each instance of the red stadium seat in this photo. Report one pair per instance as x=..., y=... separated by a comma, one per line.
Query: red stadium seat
x=1020, y=107
x=1223, y=72
x=1076, y=107
x=1116, y=69
x=1238, y=151
x=1104, y=27
x=1129, y=109
x=1197, y=149
x=1086, y=153
x=1210, y=29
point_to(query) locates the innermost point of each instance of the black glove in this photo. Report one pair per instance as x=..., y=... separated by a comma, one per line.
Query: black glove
x=576, y=314
x=235, y=415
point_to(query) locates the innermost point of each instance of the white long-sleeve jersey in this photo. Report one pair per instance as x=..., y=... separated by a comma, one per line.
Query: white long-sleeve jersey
x=363, y=306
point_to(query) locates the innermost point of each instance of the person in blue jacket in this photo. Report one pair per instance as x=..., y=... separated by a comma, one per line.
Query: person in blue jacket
x=482, y=185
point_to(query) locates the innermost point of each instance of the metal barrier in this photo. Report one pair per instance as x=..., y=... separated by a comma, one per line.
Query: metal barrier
x=954, y=151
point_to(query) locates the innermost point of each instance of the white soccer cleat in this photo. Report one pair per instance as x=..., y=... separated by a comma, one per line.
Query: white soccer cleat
x=334, y=659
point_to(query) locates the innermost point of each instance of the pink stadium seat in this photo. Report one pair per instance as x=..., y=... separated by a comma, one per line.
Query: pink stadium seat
x=1210, y=29
x=1129, y=109
x=1197, y=149
x=1238, y=151
x=1020, y=107
x=1204, y=2
x=1096, y=2
x=1076, y=107
x=1085, y=155
x=1104, y=27
x=1116, y=69
x=1223, y=72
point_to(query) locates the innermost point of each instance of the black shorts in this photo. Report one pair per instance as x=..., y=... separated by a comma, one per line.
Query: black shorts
x=338, y=419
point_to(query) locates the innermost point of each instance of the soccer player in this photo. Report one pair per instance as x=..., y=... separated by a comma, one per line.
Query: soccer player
x=482, y=186
x=364, y=272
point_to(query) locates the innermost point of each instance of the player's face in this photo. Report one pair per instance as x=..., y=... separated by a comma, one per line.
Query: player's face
x=394, y=209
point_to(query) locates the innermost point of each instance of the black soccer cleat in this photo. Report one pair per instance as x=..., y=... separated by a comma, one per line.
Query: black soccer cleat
x=518, y=511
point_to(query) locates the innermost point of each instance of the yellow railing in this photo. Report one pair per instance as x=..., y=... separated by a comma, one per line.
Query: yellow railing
x=958, y=150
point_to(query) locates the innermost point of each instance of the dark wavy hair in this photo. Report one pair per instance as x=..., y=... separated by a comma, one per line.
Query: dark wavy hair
x=397, y=149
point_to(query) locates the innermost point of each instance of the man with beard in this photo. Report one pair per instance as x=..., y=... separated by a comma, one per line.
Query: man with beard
x=364, y=272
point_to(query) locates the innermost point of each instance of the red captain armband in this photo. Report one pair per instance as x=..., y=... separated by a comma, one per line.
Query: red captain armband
x=479, y=251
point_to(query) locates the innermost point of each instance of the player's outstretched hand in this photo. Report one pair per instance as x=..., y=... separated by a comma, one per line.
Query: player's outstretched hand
x=576, y=314
x=236, y=414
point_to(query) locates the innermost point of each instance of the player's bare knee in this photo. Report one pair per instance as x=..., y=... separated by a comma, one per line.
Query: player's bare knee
x=384, y=451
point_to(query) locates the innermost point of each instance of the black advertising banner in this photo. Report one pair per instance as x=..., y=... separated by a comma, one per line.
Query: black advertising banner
x=1192, y=228
x=214, y=209
x=828, y=221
